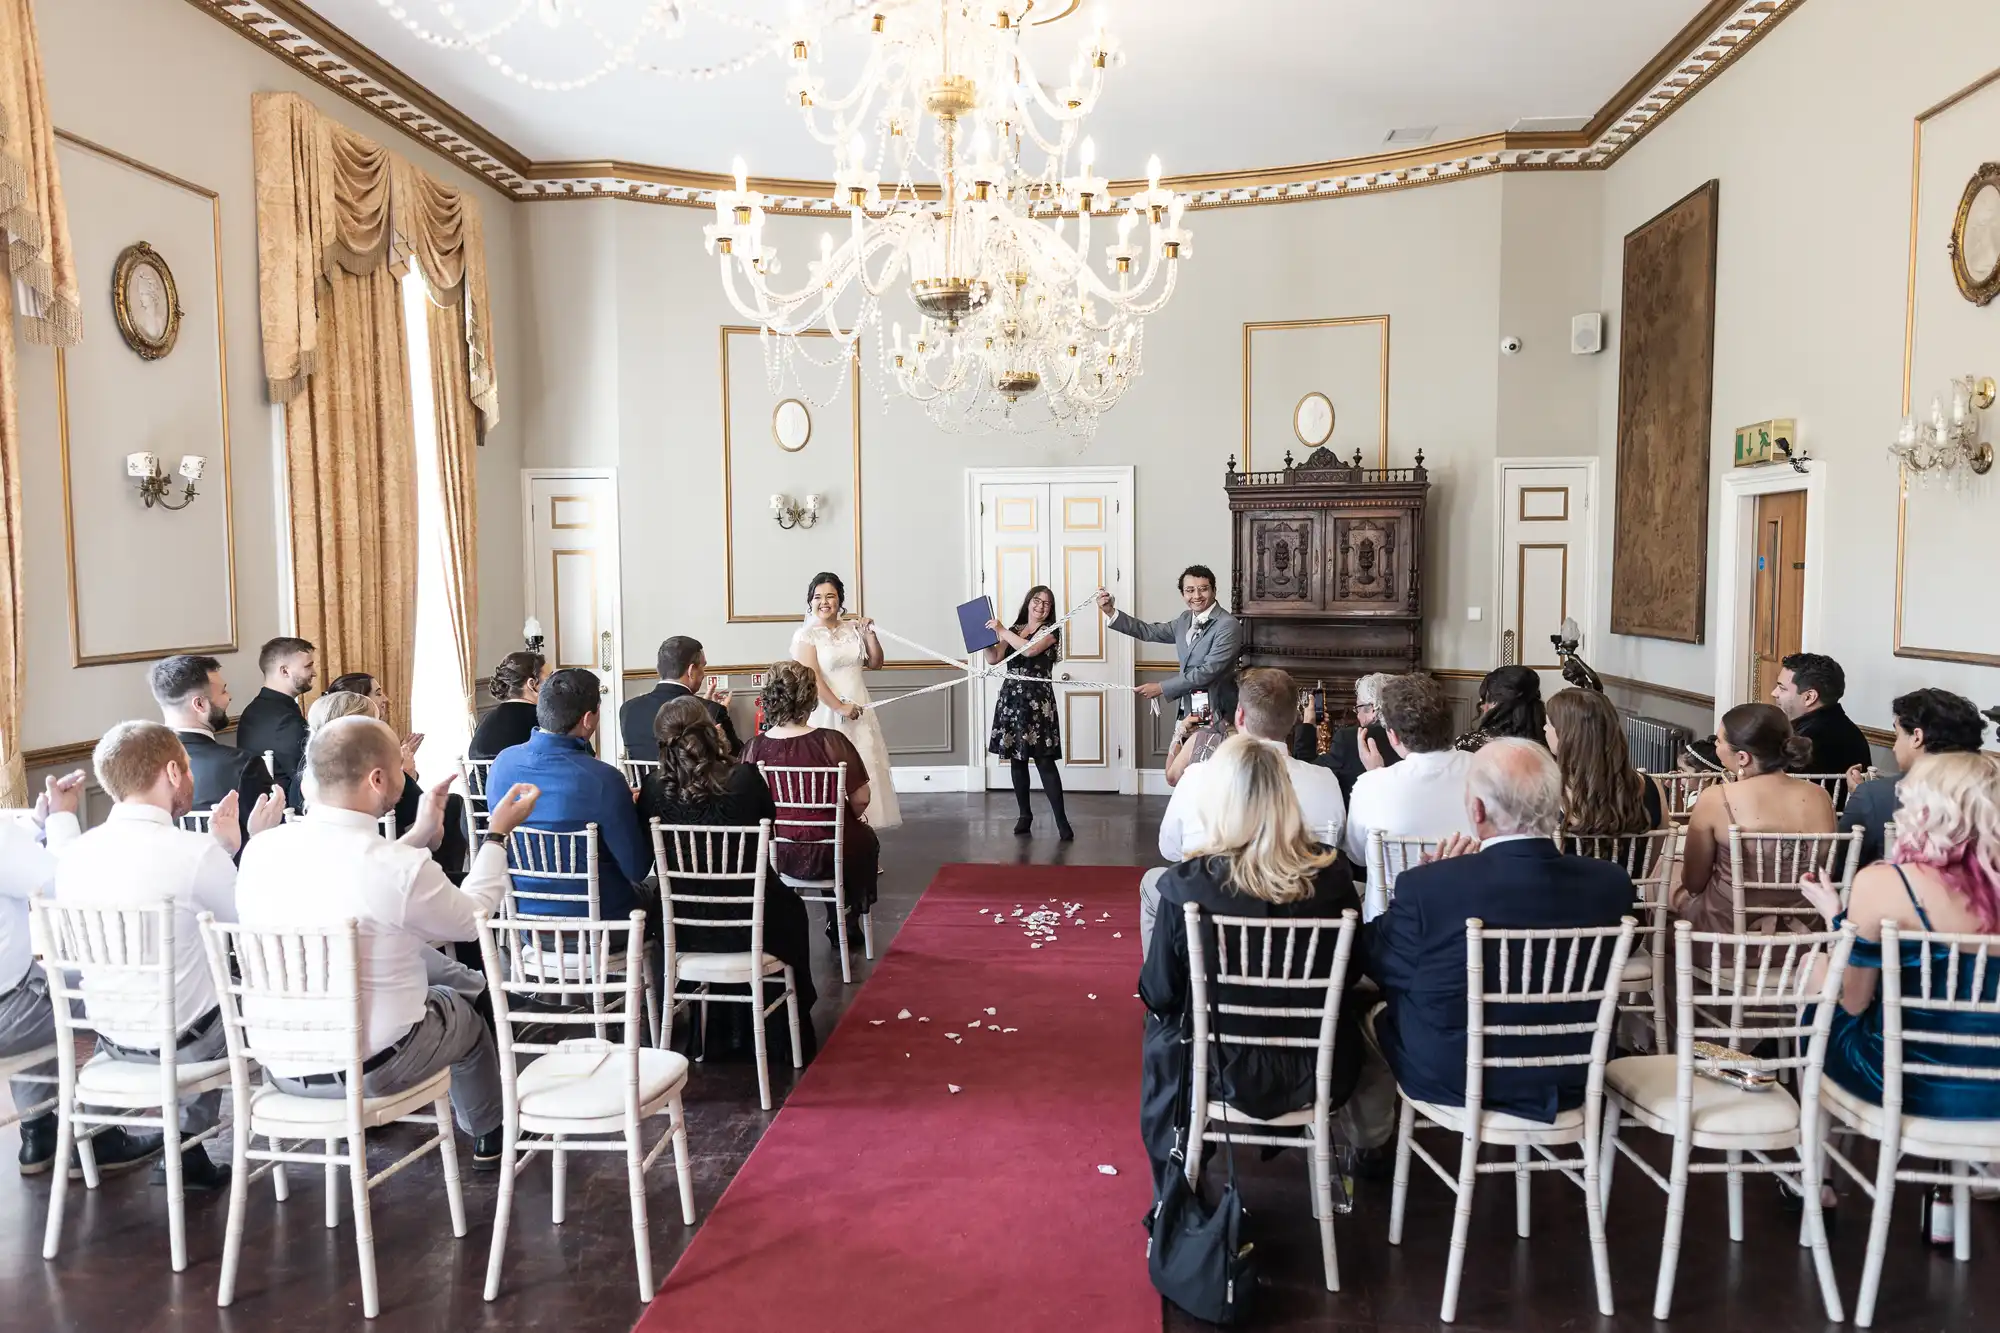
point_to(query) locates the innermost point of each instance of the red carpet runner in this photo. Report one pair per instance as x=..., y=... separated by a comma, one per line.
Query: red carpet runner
x=882, y=1199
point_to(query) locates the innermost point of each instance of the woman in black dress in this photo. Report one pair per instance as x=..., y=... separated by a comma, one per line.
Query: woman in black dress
x=1025, y=729
x=1510, y=704
x=516, y=683
x=697, y=783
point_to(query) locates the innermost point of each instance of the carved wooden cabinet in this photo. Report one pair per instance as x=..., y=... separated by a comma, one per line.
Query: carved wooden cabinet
x=1328, y=568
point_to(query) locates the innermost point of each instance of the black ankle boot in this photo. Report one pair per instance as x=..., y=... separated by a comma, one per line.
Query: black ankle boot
x=1064, y=833
x=1023, y=825
x=38, y=1144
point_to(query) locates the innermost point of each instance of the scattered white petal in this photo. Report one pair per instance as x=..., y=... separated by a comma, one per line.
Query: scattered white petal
x=1009, y=1030
x=1034, y=946
x=991, y=1010
x=954, y=1087
x=952, y=1035
x=1117, y=934
x=903, y=1013
x=877, y=1022
x=923, y=1020
x=1105, y=1169
x=1092, y=997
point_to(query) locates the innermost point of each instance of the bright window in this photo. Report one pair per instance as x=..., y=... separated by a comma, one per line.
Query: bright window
x=437, y=699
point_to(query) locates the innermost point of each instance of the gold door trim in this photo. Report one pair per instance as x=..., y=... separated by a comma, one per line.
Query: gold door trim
x=1000, y=515
x=1521, y=594
x=1103, y=759
x=555, y=609
x=1071, y=523
x=1070, y=598
x=1524, y=516
x=855, y=582
x=1382, y=443
x=77, y=656
x=589, y=503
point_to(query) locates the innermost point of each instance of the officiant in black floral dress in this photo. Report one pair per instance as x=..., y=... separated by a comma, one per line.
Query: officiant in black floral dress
x=1025, y=727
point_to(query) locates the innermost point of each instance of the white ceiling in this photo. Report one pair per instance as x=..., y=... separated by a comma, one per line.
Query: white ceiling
x=1209, y=85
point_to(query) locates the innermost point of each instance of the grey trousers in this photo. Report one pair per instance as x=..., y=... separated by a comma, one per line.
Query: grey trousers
x=26, y=1024
x=198, y=1113
x=1149, y=907
x=451, y=1035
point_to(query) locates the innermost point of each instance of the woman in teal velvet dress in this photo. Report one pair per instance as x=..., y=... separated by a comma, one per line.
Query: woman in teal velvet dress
x=1943, y=874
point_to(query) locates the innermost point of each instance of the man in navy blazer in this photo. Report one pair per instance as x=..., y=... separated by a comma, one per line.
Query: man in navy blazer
x=1515, y=877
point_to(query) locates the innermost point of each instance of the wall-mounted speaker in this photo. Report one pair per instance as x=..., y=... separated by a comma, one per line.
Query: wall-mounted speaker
x=1586, y=334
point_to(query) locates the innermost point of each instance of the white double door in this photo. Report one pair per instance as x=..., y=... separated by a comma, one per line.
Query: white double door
x=1071, y=530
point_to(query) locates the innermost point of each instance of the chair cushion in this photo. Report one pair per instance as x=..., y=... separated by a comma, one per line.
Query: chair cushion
x=722, y=968
x=1225, y=1112
x=1567, y=1128
x=1647, y=1083
x=1922, y=1137
x=292, y=1116
x=795, y=882
x=130, y=1083
x=1638, y=970
x=590, y=1084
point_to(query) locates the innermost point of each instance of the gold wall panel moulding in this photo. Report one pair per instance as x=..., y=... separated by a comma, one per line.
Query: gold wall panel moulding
x=1340, y=321
x=77, y=656
x=1715, y=38
x=1009, y=516
x=1521, y=594
x=854, y=580
x=1083, y=513
x=1561, y=514
x=77, y=752
x=583, y=521
x=556, y=614
x=1070, y=747
x=1898, y=646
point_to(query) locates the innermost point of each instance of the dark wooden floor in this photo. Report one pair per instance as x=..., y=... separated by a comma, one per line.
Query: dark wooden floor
x=112, y=1276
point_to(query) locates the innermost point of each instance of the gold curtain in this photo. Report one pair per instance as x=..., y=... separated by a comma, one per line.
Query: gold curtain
x=35, y=226
x=338, y=219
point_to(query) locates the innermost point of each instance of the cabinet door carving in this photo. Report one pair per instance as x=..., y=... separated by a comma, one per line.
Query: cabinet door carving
x=1282, y=560
x=1367, y=561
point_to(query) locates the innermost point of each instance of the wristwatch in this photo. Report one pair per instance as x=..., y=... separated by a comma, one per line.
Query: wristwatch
x=494, y=839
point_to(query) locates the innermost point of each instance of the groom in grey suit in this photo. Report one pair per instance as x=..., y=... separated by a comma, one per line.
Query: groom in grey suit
x=1207, y=641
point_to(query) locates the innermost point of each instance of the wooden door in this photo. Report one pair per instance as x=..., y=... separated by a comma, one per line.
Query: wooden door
x=1777, y=612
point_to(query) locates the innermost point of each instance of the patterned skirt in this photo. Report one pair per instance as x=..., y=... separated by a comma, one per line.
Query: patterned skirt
x=1024, y=723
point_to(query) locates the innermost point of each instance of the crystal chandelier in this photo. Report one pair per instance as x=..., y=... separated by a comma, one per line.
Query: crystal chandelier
x=1013, y=327
x=1947, y=445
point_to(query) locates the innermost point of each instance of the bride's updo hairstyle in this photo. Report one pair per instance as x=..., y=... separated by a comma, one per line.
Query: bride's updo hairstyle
x=839, y=588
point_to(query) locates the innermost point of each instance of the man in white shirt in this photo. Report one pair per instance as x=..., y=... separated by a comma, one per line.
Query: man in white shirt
x=1421, y=797
x=334, y=865
x=141, y=857
x=26, y=1021
x=1267, y=702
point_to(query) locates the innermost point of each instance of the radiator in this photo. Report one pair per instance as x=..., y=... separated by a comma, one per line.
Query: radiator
x=1656, y=746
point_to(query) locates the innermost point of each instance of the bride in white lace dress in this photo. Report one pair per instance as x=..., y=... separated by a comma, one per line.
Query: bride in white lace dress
x=838, y=655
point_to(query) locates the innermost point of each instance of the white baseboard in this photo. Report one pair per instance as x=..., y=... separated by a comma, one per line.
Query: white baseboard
x=940, y=777
x=1153, y=782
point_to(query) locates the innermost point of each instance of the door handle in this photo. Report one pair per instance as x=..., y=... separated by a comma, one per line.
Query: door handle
x=604, y=651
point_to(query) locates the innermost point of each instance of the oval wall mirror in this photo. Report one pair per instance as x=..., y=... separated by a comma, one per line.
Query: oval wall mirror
x=791, y=425
x=1975, y=237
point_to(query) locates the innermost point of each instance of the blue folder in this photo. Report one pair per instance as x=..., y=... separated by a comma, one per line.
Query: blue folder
x=972, y=618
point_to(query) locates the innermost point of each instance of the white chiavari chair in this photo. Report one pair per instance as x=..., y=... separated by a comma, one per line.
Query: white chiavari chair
x=1679, y=791
x=1958, y=979
x=637, y=769
x=1837, y=785
x=111, y=973
x=1522, y=971
x=558, y=860
x=197, y=821
x=1389, y=855
x=691, y=857
x=1649, y=859
x=476, y=773
x=1764, y=872
x=816, y=798
x=578, y=1094
x=1296, y=968
x=291, y=1002
x=1787, y=986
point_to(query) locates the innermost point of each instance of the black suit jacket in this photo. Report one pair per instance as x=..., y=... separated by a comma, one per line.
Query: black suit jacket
x=1838, y=744
x=1416, y=953
x=220, y=769
x=635, y=720
x=272, y=721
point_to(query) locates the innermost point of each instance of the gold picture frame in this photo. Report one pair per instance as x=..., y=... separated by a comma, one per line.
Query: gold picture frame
x=778, y=431
x=1317, y=437
x=1980, y=290
x=1381, y=324
x=134, y=261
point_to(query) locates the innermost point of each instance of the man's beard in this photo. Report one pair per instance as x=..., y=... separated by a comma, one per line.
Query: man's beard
x=218, y=718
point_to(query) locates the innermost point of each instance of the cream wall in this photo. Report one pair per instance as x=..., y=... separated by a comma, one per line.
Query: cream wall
x=1810, y=136
x=167, y=85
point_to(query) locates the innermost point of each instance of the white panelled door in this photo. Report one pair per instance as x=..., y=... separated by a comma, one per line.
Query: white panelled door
x=572, y=579
x=1546, y=562
x=1067, y=528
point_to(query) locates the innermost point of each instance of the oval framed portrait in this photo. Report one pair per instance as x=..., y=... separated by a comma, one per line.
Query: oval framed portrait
x=791, y=425
x=1312, y=420
x=145, y=301
x=1975, y=237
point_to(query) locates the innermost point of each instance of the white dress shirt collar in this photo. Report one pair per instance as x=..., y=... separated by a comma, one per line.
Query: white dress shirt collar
x=141, y=811
x=342, y=817
x=1514, y=837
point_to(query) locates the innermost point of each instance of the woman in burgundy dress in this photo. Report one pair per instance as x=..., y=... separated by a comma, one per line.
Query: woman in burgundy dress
x=790, y=741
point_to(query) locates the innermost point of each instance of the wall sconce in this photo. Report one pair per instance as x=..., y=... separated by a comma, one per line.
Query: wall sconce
x=155, y=486
x=531, y=635
x=1948, y=444
x=791, y=514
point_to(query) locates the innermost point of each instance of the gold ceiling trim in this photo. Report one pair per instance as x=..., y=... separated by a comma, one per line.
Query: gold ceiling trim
x=1712, y=41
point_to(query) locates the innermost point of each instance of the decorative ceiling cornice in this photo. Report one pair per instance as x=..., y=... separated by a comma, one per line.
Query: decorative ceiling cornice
x=1709, y=44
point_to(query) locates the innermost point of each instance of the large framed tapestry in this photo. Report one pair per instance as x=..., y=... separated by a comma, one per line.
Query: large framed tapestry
x=1666, y=373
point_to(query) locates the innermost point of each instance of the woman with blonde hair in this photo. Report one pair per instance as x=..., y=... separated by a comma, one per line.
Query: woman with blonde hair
x=1259, y=861
x=1943, y=874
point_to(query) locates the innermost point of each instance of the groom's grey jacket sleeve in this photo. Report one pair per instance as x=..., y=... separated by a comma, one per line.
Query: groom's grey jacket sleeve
x=1209, y=659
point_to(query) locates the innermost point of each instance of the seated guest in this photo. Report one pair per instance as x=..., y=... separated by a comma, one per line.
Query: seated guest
x=1943, y=874
x=1422, y=797
x=1603, y=793
x=1513, y=878
x=1343, y=753
x=1808, y=691
x=1755, y=746
x=698, y=783
x=515, y=683
x=1927, y=722
x=360, y=682
x=140, y=857
x=194, y=701
x=417, y=1016
x=1510, y=704
x=1196, y=739
x=272, y=723
x=1266, y=703
x=577, y=789
x=1257, y=860
x=791, y=741
x=682, y=665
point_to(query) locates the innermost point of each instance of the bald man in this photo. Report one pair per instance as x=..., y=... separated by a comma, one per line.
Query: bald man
x=416, y=1008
